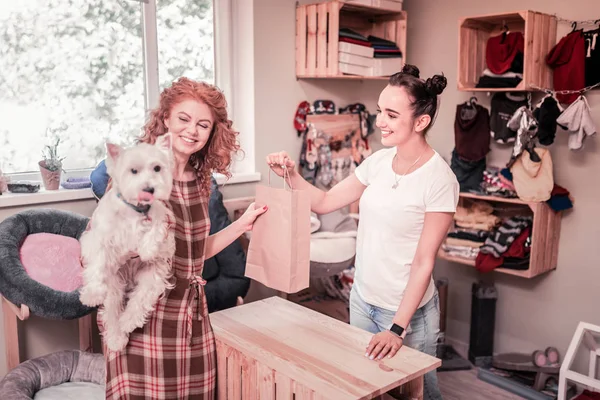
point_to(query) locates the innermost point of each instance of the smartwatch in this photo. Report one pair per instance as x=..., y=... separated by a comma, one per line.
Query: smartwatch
x=397, y=329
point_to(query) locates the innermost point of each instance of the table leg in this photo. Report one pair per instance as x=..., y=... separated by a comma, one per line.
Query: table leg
x=85, y=333
x=11, y=335
x=413, y=390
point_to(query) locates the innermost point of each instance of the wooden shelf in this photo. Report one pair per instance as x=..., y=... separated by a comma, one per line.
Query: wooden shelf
x=467, y=261
x=317, y=34
x=347, y=77
x=494, y=90
x=539, y=31
x=373, y=7
x=545, y=235
x=512, y=200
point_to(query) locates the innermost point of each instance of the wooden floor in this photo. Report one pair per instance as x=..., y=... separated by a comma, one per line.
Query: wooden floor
x=461, y=385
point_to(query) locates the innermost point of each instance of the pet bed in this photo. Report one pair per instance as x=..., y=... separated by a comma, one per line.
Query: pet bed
x=39, y=262
x=64, y=375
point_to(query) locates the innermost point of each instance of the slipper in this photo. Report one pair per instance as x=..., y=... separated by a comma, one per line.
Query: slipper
x=363, y=149
x=324, y=107
x=325, y=174
x=300, y=117
x=547, y=358
x=311, y=154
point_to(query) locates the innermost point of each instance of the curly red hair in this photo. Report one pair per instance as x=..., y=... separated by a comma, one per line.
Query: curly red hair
x=216, y=155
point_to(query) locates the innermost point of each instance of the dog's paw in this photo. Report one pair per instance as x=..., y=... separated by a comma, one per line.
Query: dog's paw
x=115, y=339
x=93, y=296
x=147, y=254
x=128, y=324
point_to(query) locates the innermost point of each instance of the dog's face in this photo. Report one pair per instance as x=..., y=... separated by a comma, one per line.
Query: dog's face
x=142, y=173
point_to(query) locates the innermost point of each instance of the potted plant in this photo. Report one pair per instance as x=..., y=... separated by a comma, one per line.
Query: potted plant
x=51, y=166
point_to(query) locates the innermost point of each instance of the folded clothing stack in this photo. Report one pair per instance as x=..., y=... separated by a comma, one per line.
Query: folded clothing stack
x=508, y=246
x=349, y=36
x=355, y=53
x=472, y=226
x=367, y=56
x=384, y=48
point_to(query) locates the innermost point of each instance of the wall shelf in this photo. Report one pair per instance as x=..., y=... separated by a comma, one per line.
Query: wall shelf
x=539, y=31
x=544, y=240
x=317, y=34
x=346, y=77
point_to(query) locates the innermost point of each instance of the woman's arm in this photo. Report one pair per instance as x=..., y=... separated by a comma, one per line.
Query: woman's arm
x=435, y=228
x=218, y=241
x=345, y=192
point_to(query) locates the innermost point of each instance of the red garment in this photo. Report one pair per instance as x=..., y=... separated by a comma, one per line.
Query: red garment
x=355, y=41
x=588, y=395
x=567, y=59
x=487, y=262
x=559, y=191
x=502, y=49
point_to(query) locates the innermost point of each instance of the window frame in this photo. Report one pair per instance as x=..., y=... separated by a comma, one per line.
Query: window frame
x=234, y=45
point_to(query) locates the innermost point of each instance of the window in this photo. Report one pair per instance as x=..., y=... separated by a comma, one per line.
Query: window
x=185, y=32
x=85, y=71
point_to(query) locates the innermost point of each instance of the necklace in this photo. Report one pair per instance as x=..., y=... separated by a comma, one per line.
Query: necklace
x=395, y=185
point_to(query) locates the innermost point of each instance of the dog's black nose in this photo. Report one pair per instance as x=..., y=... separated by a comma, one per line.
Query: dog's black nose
x=149, y=190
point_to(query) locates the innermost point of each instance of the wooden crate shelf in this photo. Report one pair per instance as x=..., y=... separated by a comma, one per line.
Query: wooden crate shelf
x=346, y=77
x=539, y=31
x=544, y=240
x=317, y=34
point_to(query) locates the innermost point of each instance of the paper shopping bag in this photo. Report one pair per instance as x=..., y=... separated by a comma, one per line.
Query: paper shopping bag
x=279, y=249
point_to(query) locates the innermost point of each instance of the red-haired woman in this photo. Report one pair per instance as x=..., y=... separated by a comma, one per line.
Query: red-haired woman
x=173, y=355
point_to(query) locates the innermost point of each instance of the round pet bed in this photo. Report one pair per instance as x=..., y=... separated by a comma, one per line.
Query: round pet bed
x=64, y=375
x=48, y=240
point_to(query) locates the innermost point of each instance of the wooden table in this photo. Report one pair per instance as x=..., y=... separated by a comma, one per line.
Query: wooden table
x=275, y=349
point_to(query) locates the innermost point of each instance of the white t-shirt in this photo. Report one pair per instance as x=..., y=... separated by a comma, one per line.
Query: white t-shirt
x=391, y=222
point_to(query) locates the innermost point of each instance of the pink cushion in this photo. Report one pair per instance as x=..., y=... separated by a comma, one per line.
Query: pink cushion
x=52, y=260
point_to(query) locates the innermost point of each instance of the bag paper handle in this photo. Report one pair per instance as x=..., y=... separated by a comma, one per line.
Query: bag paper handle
x=286, y=174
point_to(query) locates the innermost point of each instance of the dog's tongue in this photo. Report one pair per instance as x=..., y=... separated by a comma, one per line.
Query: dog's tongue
x=145, y=197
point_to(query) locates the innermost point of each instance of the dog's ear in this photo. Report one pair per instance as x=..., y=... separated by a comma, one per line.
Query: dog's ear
x=164, y=142
x=113, y=151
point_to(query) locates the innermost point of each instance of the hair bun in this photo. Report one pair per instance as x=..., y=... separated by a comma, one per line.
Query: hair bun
x=436, y=84
x=411, y=70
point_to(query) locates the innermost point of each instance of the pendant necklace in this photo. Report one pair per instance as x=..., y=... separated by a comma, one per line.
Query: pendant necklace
x=395, y=185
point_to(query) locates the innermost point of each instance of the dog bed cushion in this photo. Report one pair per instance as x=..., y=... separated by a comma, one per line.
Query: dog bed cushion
x=72, y=391
x=17, y=285
x=52, y=260
x=57, y=376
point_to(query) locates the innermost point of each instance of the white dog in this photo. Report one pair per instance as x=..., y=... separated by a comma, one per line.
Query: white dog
x=132, y=219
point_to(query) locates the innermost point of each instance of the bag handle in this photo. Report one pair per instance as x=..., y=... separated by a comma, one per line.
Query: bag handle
x=286, y=174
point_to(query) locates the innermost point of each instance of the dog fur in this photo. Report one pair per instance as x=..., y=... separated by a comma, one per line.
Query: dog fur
x=127, y=253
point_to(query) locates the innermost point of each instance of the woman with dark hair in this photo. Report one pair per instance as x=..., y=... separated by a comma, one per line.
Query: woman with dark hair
x=408, y=195
x=173, y=356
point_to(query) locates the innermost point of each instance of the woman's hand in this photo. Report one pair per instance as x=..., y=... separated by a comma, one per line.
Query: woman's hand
x=382, y=344
x=278, y=160
x=246, y=221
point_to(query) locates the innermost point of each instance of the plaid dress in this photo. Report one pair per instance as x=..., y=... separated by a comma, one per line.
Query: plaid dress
x=173, y=356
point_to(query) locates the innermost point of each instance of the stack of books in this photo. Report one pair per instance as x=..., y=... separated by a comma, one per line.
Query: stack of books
x=367, y=55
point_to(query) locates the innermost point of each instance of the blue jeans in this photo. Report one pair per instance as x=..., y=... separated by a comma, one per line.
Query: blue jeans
x=421, y=334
